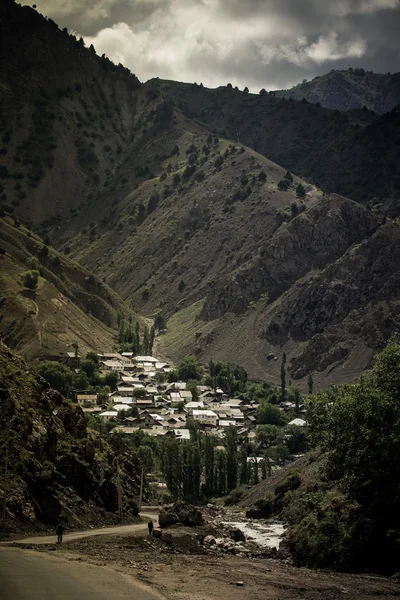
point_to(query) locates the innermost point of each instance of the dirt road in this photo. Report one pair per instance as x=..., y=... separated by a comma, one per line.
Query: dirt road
x=78, y=535
x=27, y=575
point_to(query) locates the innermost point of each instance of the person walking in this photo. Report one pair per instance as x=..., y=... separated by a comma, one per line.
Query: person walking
x=60, y=531
x=150, y=526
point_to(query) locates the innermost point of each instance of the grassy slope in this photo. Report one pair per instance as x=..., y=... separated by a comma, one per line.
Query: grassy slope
x=69, y=305
x=349, y=90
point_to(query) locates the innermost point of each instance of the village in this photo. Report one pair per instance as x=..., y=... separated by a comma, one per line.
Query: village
x=145, y=401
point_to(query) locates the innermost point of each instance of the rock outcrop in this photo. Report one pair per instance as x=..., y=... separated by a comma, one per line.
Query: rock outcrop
x=58, y=469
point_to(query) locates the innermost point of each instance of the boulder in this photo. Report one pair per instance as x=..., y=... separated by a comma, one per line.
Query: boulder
x=236, y=535
x=157, y=533
x=167, y=517
x=189, y=515
x=167, y=538
x=209, y=540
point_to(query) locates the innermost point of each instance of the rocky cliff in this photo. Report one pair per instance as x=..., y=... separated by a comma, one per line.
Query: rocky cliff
x=57, y=467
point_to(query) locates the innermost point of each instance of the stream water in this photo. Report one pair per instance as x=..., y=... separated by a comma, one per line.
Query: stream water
x=263, y=533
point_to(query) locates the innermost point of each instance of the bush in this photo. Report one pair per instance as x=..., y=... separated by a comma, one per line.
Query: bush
x=234, y=496
x=262, y=176
x=291, y=482
x=30, y=279
x=269, y=414
x=300, y=191
x=283, y=185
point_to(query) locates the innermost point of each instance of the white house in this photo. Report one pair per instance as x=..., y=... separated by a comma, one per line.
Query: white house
x=205, y=417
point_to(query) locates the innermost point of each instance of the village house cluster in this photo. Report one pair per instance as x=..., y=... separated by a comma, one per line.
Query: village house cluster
x=144, y=401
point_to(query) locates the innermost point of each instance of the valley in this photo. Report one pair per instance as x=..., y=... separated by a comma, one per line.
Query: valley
x=199, y=314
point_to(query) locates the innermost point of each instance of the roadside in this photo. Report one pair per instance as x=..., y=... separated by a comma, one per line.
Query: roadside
x=183, y=571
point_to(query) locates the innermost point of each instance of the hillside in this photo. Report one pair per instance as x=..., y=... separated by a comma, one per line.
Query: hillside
x=57, y=468
x=164, y=191
x=355, y=154
x=69, y=305
x=349, y=90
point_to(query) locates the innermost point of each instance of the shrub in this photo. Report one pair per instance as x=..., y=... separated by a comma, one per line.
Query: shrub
x=289, y=176
x=30, y=279
x=283, y=185
x=300, y=191
x=234, y=496
x=291, y=482
x=262, y=176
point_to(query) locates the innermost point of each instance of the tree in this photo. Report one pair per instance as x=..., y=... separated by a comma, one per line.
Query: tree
x=263, y=92
x=229, y=86
x=270, y=414
x=283, y=377
x=283, y=185
x=289, y=176
x=231, y=458
x=30, y=279
x=262, y=176
x=111, y=379
x=310, y=383
x=297, y=399
x=300, y=191
x=89, y=367
x=151, y=338
x=246, y=90
x=181, y=285
x=294, y=210
x=358, y=428
x=189, y=368
x=59, y=376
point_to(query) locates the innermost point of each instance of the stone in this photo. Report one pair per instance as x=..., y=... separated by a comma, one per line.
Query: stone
x=237, y=535
x=209, y=540
x=167, y=538
x=166, y=518
x=157, y=533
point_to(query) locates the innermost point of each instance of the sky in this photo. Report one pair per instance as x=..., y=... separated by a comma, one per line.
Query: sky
x=271, y=44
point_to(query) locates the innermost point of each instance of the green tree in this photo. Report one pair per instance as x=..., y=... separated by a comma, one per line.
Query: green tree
x=310, y=383
x=111, y=379
x=269, y=414
x=283, y=377
x=89, y=367
x=93, y=356
x=230, y=443
x=189, y=368
x=300, y=191
x=30, y=279
x=59, y=376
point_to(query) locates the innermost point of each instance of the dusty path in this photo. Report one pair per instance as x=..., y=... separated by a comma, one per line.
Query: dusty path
x=78, y=535
x=27, y=575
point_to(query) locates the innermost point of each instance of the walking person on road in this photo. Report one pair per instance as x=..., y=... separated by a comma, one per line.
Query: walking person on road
x=150, y=526
x=60, y=531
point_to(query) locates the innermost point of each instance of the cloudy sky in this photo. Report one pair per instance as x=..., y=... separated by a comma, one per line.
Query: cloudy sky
x=255, y=43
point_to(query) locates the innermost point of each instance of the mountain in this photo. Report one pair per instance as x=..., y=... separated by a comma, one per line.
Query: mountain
x=354, y=153
x=185, y=211
x=69, y=304
x=57, y=467
x=349, y=90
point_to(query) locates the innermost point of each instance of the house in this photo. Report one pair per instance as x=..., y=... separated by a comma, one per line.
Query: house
x=149, y=420
x=191, y=406
x=125, y=390
x=226, y=423
x=175, y=396
x=86, y=399
x=186, y=395
x=119, y=407
x=145, y=403
x=107, y=415
x=123, y=400
x=125, y=430
x=298, y=422
x=145, y=361
x=177, y=386
x=182, y=434
x=205, y=417
x=92, y=410
x=111, y=365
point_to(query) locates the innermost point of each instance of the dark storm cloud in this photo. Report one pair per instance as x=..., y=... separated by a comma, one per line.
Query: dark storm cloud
x=258, y=43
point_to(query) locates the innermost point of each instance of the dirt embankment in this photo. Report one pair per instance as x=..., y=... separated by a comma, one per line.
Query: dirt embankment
x=180, y=572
